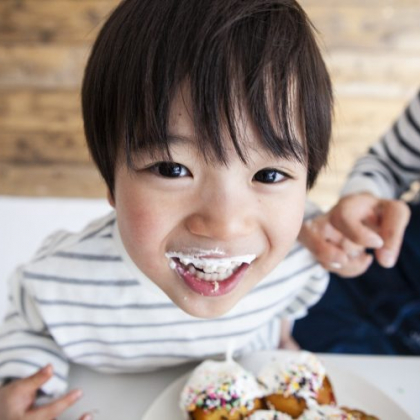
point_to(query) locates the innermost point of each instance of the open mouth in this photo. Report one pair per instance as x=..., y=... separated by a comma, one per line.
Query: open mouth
x=210, y=276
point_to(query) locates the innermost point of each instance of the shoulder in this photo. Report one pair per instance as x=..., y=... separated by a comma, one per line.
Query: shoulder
x=62, y=241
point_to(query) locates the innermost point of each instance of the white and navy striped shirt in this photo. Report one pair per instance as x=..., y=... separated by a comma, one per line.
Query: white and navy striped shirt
x=393, y=164
x=82, y=299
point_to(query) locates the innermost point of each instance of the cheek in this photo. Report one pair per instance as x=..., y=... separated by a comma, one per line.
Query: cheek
x=286, y=220
x=141, y=226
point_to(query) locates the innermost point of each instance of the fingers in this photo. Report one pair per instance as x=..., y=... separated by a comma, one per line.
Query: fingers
x=331, y=256
x=55, y=408
x=351, y=224
x=34, y=382
x=394, y=220
x=87, y=416
x=323, y=240
x=355, y=267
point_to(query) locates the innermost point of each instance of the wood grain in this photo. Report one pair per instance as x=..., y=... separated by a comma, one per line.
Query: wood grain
x=371, y=47
x=51, y=180
x=52, y=21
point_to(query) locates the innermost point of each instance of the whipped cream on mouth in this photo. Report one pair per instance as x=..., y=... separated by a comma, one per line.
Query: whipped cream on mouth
x=208, y=268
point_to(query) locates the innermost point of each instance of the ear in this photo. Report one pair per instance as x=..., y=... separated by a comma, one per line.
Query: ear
x=110, y=198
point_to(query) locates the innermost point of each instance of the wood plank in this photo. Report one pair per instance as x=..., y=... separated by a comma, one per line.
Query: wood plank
x=43, y=147
x=40, y=110
x=368, y=73
x=51, y=180
x=354, y=111
x=48, y=21
x=390, y=4
x=42, y=66
x=341, y=23
x=367, y=26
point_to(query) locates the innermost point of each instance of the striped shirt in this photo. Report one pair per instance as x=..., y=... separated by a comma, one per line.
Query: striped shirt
x=393, y=164
x=81, y=299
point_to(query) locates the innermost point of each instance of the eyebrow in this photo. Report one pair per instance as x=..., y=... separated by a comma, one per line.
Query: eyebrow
x=295, y=149
x=177, y=138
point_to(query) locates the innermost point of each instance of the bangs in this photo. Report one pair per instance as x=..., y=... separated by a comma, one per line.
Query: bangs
x=256, y=58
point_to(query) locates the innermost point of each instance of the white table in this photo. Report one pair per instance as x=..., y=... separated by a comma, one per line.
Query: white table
x=127, y=397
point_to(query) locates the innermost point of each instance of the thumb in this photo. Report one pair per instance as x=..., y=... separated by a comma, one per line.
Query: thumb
x=34, y=382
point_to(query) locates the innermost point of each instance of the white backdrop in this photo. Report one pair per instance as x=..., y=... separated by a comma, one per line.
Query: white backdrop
x=25, y=222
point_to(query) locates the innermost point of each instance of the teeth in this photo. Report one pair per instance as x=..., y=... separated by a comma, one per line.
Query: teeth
x=210, y=276
x=200, y=261
x=212, y=268
x=209, y=269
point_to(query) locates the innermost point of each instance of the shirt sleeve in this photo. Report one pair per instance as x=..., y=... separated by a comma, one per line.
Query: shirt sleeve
x=313, y=287
x=393, y=164
x=25, y=344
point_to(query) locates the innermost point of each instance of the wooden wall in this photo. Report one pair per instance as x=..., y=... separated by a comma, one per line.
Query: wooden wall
x=372, y=48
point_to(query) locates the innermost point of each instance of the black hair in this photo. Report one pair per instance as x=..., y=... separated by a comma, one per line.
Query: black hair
x=260, y=54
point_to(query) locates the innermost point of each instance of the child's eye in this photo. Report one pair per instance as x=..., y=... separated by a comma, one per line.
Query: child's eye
x=269, y=176
x=170, y=170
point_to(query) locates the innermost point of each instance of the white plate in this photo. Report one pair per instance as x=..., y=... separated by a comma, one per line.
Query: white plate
x=350, y=391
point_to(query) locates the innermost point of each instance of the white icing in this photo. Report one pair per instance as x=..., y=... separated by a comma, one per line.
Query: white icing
x=200, y=260
x=300, y=374
x=211, y=376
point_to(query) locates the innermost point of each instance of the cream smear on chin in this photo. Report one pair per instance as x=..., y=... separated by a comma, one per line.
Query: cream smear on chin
x=204, y=266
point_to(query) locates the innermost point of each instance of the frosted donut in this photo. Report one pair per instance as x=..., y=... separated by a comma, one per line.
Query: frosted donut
x=294, y=383
x=220, y=390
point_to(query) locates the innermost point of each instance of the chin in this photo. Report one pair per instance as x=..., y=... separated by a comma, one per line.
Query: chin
x=206, y=307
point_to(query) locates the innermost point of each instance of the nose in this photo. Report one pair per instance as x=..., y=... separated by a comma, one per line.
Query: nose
x=223, y=214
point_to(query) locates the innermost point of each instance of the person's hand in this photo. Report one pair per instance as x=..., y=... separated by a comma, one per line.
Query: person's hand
x=17, y=399
x=372, y=223
x=332, y=249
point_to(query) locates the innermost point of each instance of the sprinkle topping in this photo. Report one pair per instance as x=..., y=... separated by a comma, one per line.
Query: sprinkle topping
x=300, y=376
x=215, y=385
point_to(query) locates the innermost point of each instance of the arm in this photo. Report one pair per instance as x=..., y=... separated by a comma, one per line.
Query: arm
x=369, y=214
x=25, y=344
x=393, y=164
x=287, y=342
x=27, y=357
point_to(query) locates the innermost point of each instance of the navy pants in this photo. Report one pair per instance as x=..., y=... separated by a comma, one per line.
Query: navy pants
x=375, y=313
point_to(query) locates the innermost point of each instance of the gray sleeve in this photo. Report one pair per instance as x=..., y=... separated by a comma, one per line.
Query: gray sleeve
x=25, y=344
x=392, y=164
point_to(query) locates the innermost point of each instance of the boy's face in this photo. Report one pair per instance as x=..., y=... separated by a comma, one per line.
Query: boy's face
x=207, y=233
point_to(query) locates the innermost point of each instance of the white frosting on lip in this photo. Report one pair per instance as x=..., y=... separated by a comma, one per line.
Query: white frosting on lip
x=201, y=261
x=208, y=268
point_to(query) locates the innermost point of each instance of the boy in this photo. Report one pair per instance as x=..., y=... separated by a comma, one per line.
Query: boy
x=208, y=121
